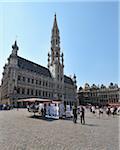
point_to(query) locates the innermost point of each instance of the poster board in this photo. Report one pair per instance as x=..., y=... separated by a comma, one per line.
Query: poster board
x=52, y=111
x=68, y=111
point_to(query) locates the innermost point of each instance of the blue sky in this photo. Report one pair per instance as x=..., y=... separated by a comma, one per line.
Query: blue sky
x=88, y=32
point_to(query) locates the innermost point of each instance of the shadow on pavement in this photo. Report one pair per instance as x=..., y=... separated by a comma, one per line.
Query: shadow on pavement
x=67, y=119
x=91, y=125
x=49, y=119
x=42, y=118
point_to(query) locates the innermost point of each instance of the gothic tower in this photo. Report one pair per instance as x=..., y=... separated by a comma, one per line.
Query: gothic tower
x=13, y=69
x=9, y=80
x=56, y=62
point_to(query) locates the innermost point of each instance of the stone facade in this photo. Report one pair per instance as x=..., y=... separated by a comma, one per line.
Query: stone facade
x=25, y=79
x=99, y=95
x=0, y=94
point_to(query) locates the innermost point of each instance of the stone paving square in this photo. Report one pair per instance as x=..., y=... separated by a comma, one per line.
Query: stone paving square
x=20, y=131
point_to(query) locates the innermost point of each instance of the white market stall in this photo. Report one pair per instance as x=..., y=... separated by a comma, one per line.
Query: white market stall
x=51, y=107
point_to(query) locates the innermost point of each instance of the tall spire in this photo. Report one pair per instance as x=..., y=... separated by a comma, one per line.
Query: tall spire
x=55, y=30
x=55, y=23
x=56, y=62
x=55, y=43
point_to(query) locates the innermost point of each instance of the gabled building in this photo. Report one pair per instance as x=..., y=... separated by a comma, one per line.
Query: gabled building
x=99, y=95
x=23, y=78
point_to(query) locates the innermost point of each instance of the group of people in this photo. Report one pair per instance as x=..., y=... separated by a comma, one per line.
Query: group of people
x=81, y=112
x=112, y=110
x=108, y=110
x=76, y=112
x=5, y=107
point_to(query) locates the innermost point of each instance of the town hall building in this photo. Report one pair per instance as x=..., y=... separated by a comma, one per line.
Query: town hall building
x=23, y=78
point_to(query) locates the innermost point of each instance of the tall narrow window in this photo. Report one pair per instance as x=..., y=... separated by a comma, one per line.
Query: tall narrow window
x=19, y=77
x=23, y=90
x=40, y=82
x=32, y=92
x=18, y=90
x=36, y=92
x=28, y=91
x=28, y=80
x=43, y=83
x=46, y=94
x=23, y=78
x=39, y=93
x=32, y=80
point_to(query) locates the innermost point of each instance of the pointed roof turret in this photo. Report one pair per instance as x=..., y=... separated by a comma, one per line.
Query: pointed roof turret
x=15, y=48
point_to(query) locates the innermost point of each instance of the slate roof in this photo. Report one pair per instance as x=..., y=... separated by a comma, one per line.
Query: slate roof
x=31, y=66
x=68, y=80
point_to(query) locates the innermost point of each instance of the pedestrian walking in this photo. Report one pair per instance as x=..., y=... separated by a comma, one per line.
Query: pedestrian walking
x=82, y=115
x=100, y=112
x=108, y=111
x=28, y=107
x=112, y=111
x=93, y=109
x=75, y=114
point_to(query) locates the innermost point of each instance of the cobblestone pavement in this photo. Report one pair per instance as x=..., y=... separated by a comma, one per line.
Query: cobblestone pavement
x=20, y=131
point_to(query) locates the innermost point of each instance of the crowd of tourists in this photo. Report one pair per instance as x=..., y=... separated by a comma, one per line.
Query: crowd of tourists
x=79, y=112
x=76, y=112
x=113, y=110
